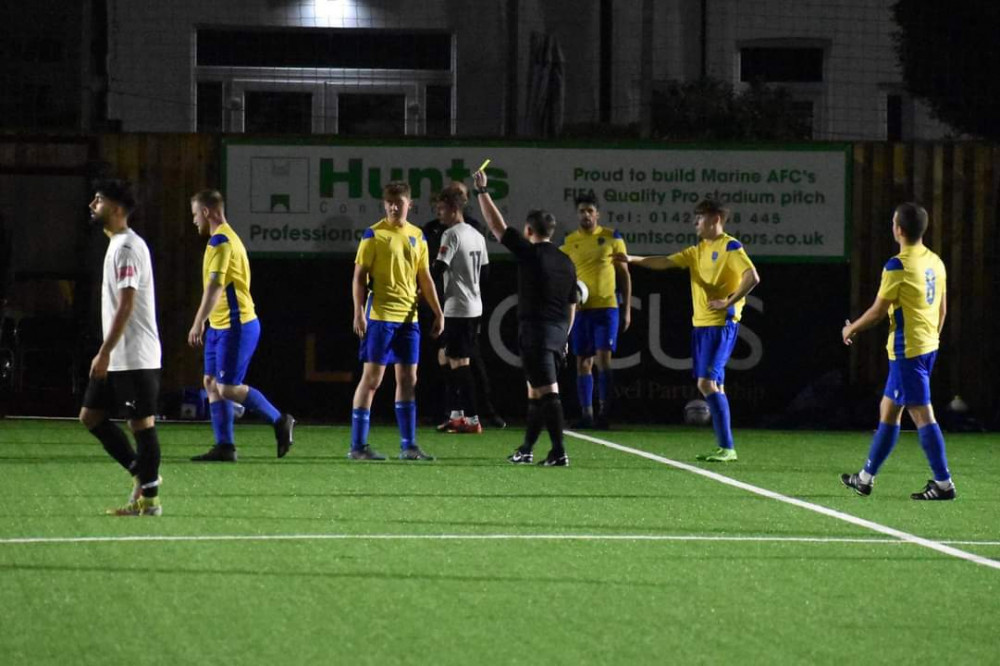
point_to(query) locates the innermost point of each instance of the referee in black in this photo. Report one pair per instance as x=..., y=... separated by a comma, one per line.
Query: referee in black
x=546, y=302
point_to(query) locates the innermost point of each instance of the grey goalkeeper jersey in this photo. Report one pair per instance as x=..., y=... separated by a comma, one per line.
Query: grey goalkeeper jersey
x=463, y=249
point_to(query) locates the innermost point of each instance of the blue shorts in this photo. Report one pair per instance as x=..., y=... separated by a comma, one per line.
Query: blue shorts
x=711, y=347
x=593, y=330
x=228, y=351
x=909, y=381
x=389, y=342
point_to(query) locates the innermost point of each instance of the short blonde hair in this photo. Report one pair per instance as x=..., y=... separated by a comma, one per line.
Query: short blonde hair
x=211, y=199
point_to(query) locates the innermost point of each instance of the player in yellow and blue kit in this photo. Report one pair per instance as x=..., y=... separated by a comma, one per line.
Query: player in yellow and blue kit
x=913, y=295
x=390, y=264
x=595, y=330
x=232, y=332
x=721, y=277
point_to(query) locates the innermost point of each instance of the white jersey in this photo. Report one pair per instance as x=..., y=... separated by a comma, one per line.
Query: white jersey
x=127, y=265
x=463, y=249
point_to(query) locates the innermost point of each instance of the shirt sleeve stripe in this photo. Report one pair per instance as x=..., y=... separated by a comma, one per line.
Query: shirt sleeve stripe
x=894, y=264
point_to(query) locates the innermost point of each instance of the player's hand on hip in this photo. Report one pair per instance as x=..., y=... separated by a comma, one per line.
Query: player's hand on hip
x=437, y=328
x=99, y=365
x=621, y=258
x=718, y=304
x=846, y=333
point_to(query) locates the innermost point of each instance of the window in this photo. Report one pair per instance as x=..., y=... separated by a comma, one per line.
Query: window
x=277, y=112
x=781, y=65
x=347, y=81
x=366, y=114
x=321, y=48
x=438, y=110
x=894, y=117
x=210, y=109
x=797, y=66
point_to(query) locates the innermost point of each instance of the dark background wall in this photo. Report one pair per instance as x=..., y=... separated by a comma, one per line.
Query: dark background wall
x=307, y=358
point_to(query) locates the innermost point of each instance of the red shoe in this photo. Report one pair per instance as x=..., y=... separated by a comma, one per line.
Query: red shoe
x=463, y=427
x=450, y=425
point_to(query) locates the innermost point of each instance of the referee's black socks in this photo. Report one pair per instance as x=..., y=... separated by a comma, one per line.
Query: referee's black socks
x=536, y=419
x=148, y=461
x=115, y=443
x=552, y=410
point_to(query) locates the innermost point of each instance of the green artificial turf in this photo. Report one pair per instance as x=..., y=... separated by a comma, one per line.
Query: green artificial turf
x=367, y=577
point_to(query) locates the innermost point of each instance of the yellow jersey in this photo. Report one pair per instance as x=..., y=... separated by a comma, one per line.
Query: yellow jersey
x=914, y=281
x=226, y=256
x=716, y=266
x=591, y=254
x=392, y=255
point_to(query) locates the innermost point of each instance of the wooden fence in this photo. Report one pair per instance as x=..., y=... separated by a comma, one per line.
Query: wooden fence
x=169, y=169
x=958, y=184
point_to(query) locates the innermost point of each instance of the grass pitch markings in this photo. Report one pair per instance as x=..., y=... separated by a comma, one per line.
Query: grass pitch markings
x=471, y=537
x=938, y=546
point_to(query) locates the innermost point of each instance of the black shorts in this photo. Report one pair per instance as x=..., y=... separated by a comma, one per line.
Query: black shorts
x=137, y=391
x=544, y=335
x=541, y=365
x=460, y=335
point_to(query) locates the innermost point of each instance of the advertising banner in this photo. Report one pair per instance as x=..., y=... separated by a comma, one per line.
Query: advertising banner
x=303, y=198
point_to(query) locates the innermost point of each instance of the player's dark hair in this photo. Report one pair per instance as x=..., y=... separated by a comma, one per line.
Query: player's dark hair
x=712, y=207
x=455, y=195
x=119, y=191
x=912, y=220
x=396, y=188
x=588, y=199
x=542, y=223
x=211, y=199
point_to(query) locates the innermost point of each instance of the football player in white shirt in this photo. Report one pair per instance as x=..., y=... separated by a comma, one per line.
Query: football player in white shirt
x=125, y=373
x=461, y=260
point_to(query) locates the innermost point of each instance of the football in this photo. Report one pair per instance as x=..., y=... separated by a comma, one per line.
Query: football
x=582, y=292
x=696, y=413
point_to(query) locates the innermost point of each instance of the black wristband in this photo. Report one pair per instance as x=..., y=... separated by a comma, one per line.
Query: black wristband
x=481, y=190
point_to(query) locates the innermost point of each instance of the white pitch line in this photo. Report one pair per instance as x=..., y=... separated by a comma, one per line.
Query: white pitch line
x=463, y=537
x=764, y=492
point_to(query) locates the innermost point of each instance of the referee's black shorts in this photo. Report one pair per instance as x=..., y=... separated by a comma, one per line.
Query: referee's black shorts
x=135, y=392
x=541, y=366
x=542, y=345
x=460, y=334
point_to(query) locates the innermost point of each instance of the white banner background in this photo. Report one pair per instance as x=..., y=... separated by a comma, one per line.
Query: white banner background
x=312, y=198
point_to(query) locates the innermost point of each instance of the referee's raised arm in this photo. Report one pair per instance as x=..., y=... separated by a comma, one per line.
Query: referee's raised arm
x=494, y=220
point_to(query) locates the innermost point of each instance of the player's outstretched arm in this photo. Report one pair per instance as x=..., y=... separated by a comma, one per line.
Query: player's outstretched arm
x=872, y=316
x=653, y=263
x=426, y=283
x=494, y=220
